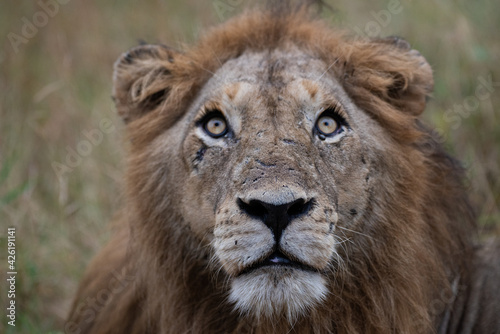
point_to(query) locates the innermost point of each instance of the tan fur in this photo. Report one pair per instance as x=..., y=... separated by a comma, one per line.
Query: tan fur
x=390, y=230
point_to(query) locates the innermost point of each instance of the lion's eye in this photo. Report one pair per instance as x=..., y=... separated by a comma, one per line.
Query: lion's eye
x=215, y=126
x=327, y=125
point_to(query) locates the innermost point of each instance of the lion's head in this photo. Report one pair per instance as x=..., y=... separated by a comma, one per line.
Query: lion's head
x=278, y=171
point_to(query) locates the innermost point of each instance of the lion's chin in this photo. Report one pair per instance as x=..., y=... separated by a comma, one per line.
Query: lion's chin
x=272, y=291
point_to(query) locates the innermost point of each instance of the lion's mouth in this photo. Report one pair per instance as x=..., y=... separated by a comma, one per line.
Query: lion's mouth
x=277, y=259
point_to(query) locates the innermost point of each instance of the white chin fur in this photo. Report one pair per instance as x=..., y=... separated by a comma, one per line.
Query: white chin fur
x=272, y=293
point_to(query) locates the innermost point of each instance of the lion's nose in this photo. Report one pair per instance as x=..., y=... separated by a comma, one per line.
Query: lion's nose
x=276, y=217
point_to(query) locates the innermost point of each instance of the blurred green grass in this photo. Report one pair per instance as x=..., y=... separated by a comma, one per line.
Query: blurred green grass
x=59, y=84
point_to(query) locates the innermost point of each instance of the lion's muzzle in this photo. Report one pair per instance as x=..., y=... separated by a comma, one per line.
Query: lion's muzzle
x=273, y=270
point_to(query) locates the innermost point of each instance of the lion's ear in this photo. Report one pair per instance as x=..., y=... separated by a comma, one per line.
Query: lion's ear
x=395, y=73
x=141, y=80
x=411, y=86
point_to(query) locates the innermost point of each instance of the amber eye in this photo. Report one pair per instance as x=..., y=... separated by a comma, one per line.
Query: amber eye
x=215, y=126
x=327, y=125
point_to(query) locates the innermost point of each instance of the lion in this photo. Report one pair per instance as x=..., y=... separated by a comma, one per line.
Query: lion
x=279, y=180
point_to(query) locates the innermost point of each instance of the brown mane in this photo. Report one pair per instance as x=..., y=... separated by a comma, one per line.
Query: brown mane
x=387, y=289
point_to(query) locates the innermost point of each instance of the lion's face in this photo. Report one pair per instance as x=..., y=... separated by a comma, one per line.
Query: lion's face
x=279, y=167
x=275, y=163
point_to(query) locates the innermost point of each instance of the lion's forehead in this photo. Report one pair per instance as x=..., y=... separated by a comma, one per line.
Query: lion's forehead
x=268, y=77
x=274, y=66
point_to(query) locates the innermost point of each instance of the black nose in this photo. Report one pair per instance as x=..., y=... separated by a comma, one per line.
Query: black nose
x=276, y=217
